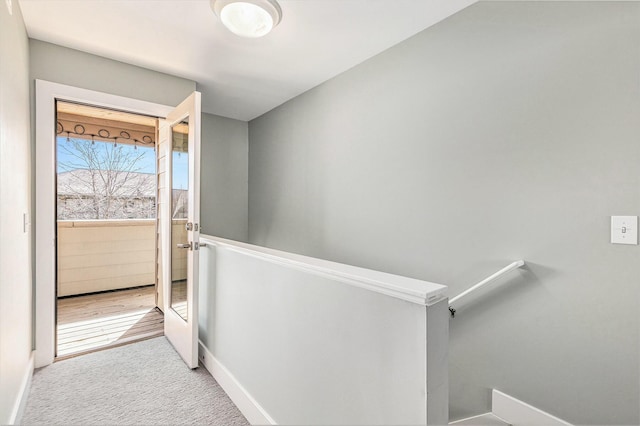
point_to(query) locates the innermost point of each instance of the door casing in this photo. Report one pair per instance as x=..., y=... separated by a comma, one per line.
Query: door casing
x=45, y=212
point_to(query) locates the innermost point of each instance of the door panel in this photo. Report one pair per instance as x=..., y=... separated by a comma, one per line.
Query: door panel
x=180, y=227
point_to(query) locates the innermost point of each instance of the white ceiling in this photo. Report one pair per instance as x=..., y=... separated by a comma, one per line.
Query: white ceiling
x=239, y=78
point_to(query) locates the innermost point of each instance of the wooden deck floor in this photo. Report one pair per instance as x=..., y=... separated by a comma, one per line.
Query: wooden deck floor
x=100, y=321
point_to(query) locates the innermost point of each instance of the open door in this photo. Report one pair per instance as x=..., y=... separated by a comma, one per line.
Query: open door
x=179, y=138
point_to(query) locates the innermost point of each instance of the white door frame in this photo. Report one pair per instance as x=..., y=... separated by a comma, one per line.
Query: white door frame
x=45, y=214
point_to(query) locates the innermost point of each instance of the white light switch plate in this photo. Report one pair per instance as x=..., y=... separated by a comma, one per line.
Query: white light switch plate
x=26, y=222
x=624, y=230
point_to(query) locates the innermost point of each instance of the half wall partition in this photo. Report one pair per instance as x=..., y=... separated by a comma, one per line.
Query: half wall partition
x=298, y=340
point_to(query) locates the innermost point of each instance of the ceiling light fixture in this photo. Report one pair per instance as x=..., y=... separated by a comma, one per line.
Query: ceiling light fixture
x=248, y=18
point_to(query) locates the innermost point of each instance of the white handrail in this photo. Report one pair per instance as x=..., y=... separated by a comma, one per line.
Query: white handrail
x=409, y=289
x=515, y=265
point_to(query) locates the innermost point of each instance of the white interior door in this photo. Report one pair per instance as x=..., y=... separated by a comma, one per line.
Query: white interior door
x=180, y=226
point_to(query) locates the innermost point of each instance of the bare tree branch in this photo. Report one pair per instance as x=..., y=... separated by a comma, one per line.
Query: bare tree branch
x=104, y=181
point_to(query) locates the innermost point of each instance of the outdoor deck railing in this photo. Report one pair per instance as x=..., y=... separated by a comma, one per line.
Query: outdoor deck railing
x=99, y=255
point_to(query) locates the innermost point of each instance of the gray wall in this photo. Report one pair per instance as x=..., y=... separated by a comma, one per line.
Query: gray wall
x=75, y=68
x=15, y=195
x=223, y=198
x=508, y=131
x=224, y=177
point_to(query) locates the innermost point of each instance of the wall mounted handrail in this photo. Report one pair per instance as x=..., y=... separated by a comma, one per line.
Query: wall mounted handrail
x=515, y=265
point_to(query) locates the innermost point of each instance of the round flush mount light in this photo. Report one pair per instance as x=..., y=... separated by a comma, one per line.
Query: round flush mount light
x=248, y=18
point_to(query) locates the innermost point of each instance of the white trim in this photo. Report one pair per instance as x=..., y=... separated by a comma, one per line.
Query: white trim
x=477, y=420
x=517, y=412
x=46, y=95
x=409, y=289
x=25, y=386
x=248, y=406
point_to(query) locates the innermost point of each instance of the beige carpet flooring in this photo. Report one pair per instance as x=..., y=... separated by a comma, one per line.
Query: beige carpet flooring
x=144, y=383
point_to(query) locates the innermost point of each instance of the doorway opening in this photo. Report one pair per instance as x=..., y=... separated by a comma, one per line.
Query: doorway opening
x=107, y=274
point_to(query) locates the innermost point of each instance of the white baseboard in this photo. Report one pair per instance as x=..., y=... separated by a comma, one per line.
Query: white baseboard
x=482, y=419
x=247, y=405
x=23, y=394
x=519, y=413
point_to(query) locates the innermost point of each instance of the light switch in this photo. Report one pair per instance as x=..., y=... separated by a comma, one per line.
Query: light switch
x=26, y=222
x=624, y=230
